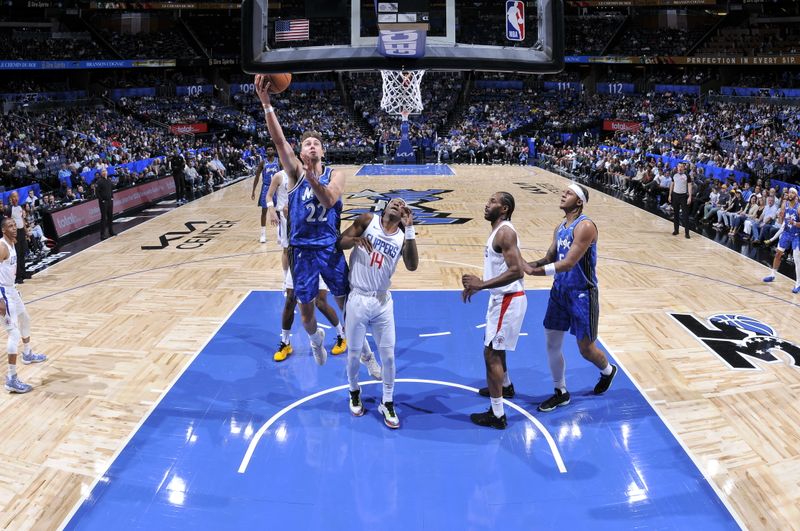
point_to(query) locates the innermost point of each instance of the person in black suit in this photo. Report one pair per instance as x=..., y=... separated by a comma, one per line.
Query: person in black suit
x=104, y=189
x=178, y=165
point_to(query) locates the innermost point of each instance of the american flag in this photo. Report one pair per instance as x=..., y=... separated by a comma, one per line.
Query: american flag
x=291, y=30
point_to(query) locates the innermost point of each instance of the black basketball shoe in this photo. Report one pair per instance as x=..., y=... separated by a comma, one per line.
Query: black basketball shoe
x=557, y=400
x=488, y=419
x=605, y=381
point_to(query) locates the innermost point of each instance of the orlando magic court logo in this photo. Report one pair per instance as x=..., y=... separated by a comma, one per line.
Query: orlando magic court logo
x=372, y=201
x=738, y=338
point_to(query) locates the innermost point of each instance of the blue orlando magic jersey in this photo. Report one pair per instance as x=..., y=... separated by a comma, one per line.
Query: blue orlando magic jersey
x=582, y=275
x=789, y=218
x=310, y=223
x=270, y=169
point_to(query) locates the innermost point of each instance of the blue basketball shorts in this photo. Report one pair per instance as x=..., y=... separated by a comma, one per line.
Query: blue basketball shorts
x=573, y=310
x=789, y=240
x=262, y=199
x=308, y=264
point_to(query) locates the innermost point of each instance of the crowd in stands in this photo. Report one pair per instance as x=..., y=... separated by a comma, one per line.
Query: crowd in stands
x=589, y=35
x=753, y=37
x=570, y=76
x=656, y=41
x=43, y=44
x=322, y=110
x=785, y=78
x=131, y=78
x=220, y=36
x=736, y=209
x=683, y=76
x=22, y=86
x=167, y=43
x=171, y=110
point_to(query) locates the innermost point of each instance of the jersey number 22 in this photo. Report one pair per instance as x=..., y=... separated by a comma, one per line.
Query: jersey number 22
x=313, y=217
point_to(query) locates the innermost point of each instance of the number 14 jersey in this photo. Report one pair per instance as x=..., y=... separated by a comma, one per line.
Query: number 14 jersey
x=373, y=271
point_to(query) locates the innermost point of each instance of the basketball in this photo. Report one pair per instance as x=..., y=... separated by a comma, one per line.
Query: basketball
x=278, y=82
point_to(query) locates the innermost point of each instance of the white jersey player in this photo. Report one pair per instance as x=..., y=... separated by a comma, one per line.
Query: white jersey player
x=378, y=243
x=15, y=317
x=277, y=199
x=502, y=276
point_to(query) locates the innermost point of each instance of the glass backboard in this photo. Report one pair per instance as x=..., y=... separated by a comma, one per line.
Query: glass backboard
x=300, y=36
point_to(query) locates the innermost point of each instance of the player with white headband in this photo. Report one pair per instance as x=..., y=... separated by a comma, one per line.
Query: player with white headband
x=574, y=303
x=789, y=238
x=379, y=242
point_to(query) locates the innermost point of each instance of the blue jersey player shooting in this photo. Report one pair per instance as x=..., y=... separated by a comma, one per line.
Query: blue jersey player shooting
x=315, y=208
x=573, y=305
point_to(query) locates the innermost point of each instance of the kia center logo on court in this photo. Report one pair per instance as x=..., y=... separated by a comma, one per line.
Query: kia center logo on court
x=372, y=201
x=196, y=235
x=738, y=338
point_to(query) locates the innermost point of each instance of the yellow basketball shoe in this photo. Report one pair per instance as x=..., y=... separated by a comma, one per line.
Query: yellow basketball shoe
x=340, y=347
x=284, y=349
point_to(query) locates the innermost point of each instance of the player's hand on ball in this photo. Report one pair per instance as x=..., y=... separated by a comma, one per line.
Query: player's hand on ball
x=262, y=84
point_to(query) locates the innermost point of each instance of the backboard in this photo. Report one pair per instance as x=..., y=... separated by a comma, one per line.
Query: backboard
x=301, y=36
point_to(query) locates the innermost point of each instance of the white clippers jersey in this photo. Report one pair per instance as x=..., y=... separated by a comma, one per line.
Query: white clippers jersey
x=494, y=264
x=373, y=271
x=8, y=267
x=282, y=193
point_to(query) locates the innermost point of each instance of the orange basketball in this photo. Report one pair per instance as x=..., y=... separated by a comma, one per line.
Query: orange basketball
x=278, y=82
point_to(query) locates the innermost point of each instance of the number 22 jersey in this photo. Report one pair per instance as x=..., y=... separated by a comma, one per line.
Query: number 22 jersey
x=311, y=224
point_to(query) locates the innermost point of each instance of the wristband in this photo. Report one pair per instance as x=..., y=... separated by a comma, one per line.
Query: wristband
x=550, y=269
x=270, y=204
x=410, y=234
x=268, y=109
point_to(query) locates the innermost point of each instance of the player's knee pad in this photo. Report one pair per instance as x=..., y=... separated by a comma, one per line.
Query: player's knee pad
x=25, y=324
x=554, y=340
x=13, y=339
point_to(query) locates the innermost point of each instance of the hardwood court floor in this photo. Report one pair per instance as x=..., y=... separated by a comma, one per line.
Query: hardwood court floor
x=120, y=323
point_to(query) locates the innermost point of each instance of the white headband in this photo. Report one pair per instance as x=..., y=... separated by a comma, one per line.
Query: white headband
x=577, y=189
x=793, y=189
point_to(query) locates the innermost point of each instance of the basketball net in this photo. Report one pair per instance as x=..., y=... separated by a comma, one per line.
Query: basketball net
x=401, y=92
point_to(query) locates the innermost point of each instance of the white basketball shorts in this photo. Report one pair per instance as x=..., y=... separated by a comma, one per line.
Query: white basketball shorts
x=504, y=320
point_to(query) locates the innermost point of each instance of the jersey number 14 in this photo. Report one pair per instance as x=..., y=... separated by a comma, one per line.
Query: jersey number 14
x=376, y=260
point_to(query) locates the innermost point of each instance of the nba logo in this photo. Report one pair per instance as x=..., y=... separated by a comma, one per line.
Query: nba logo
x=515, y=20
